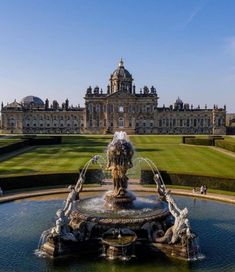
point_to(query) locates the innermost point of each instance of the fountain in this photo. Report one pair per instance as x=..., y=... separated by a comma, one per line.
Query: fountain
x=119, y=225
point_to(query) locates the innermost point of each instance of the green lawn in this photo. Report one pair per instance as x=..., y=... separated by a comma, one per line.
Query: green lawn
x=169, y=154
x=71, y=155
x=166, y=151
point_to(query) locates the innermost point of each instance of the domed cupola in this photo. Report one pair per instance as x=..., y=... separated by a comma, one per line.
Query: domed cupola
x=32, y=101
x=178, y=104
x=121, y=79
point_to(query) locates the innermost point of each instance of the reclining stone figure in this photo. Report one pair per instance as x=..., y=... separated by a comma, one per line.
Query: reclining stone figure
x=181, y=230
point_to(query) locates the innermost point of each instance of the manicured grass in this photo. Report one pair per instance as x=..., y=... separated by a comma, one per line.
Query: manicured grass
x=67, y=157
x=166, y=151
x=169, y=154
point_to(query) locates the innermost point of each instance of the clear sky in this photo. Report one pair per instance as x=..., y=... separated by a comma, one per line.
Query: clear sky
x=56, y=48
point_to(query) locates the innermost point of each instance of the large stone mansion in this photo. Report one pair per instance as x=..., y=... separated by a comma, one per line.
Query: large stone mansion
x=120, y=107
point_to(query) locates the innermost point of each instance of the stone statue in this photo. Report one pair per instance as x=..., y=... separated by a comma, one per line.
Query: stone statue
x=79, y=184
x=72, y=197
x=119, y=179
x=181, y=230
x=61, y=227
x=160, y=186
x=119, y=154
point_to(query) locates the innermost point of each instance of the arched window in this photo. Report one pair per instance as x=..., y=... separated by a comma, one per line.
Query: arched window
x=121, y=109
x=121, y=122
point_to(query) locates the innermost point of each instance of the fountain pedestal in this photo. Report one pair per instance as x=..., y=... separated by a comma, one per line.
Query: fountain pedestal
x=123, y=200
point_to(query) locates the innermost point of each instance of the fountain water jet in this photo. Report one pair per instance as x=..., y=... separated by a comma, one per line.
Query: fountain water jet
x=120, y=224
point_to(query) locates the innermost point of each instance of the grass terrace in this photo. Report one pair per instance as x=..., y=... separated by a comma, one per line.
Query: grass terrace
x=70, y=156
x=170, y=155
x=166, y=151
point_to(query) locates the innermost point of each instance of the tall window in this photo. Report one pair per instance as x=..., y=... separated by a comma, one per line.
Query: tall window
x=121, y=122
x=120, y=109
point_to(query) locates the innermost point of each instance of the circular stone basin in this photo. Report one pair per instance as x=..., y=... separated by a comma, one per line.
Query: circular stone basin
x=141, y=210
x=22, y=223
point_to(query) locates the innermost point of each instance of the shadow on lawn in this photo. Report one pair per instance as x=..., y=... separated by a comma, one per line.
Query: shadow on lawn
x=69, y=149
x=148, y=149
x=87, y=141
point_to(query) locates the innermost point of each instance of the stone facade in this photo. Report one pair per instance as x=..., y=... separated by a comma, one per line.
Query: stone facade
x=121, y=107
x=230, y=123
x=34, y=116
x=230, y=120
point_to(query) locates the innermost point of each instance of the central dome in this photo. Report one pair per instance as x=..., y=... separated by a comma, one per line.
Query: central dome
x=121, y=72
x=121, y=79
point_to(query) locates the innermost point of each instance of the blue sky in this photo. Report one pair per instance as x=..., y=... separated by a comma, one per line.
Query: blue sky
x=55, y=49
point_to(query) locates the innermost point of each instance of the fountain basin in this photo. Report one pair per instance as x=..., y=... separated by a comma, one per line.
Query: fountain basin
x=216, y=228
x=141, y=210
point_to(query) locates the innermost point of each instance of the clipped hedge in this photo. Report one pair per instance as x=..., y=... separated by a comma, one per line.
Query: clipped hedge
x=187, y=137
x=199, y=141
x=51, y=179
x=210, y=141
x=219, y=183
x=225, y=144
